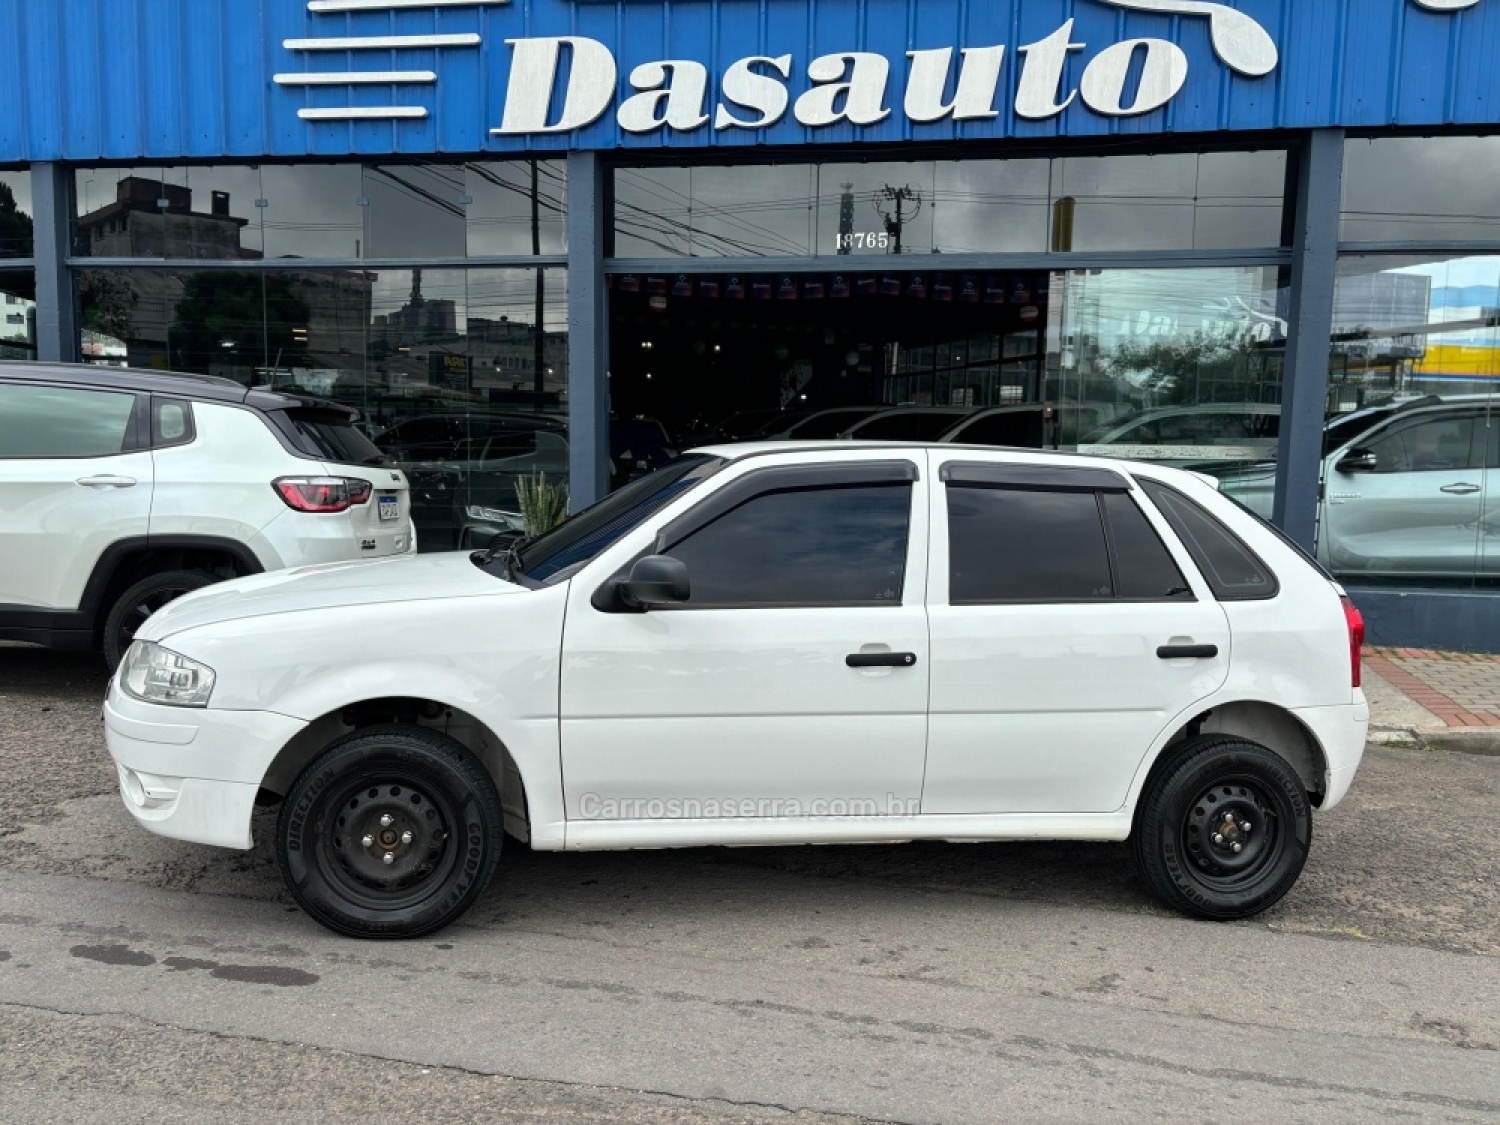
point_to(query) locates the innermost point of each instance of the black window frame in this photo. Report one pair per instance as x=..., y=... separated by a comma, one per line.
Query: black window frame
x=1034, y=479
x=1190, y=545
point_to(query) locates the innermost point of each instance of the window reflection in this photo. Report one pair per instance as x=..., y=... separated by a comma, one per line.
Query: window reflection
x=1410, y=189
x=1180, y=201
x=433, y=211
x=15, y=215
x=450, y=371
x=17, y=314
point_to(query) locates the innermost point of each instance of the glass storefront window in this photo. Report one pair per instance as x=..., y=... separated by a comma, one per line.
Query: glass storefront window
x=1179, y=201
x=1180, y=366
x=17, y=314
x=449, y=370
x=309, y=211
x=1412, y=448
x=879, y=209
x=15, y=215
x=1421, y=189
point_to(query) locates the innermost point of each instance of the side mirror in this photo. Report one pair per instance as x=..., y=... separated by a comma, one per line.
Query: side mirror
x=655, y=581
x=1358, y=461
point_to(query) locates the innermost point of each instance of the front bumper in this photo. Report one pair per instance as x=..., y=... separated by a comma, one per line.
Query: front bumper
x=192, y=773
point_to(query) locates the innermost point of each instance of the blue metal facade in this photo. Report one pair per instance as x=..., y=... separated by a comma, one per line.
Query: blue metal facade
x=88, y=80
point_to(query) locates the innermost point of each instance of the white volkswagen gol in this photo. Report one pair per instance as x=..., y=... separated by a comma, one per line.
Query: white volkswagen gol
x=769, y=645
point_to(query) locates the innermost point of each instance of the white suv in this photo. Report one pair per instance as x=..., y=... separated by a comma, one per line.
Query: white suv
x=770, y=644
x=122, y=490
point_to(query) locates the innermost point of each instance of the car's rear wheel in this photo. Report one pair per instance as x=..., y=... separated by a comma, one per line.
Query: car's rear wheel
x=393, y=832
x=140, y=601
x=1223, y=828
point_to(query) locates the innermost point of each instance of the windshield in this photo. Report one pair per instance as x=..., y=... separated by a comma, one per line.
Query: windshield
x=598, y=527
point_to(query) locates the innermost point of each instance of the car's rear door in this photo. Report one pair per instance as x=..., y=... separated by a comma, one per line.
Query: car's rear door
x=794, y=681
x=75, y=478
x=1068, y=629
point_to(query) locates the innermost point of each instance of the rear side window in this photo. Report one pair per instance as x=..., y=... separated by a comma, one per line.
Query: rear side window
x=330, y=436
x=1144, y=570
x=1010, y=545
x=1231, y=568
x=63, y=421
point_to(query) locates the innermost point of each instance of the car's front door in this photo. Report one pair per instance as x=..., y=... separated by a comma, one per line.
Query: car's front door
x=791, y=684
x=1407, y=500
x=75, y=477
x=1065, y=639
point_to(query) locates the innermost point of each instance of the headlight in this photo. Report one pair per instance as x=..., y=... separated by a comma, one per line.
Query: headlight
x=159, y=675
x=495, y=515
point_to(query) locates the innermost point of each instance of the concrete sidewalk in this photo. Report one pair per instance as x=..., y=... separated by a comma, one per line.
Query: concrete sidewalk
x=1446, y=700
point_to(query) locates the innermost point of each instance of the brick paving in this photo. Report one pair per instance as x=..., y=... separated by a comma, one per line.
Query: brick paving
x=1462, y=689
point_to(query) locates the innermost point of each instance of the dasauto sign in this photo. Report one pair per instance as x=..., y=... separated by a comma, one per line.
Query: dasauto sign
x=559, y=84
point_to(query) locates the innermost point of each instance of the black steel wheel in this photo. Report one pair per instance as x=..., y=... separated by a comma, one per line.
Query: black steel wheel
x=392, y=833
x=135, y=605
x=1223, y=828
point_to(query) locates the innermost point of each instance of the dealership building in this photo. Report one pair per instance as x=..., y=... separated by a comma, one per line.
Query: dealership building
x=1209, y=232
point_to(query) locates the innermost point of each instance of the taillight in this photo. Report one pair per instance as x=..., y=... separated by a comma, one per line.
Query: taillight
x=1356, y=622
x=322, y=494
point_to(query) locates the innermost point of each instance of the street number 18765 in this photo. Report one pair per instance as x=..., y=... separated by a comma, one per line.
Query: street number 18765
x=862, y=240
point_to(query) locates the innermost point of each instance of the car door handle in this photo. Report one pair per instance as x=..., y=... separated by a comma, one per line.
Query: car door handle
x=106, y=481
x=1461, y=489
x=1188, y=652
x=881, y=660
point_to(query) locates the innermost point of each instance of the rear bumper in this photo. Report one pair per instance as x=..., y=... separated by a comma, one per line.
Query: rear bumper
x=192, y=774
x=1341, y=732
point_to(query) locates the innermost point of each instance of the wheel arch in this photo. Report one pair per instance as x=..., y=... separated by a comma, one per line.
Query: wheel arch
x=1270, y=725
x=128, y=561
x=462, y=725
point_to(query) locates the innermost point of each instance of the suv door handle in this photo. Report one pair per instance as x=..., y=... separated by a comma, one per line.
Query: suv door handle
x=1461, y=489
x=1188, y=652
x=106, y=481
x=881, y=660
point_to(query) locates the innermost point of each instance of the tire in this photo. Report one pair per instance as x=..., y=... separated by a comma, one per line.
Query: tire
x=1209, y=787
x=135, y=605
x=433, y=789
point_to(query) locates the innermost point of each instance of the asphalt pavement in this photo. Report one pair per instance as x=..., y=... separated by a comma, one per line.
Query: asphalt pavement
x=146, y=980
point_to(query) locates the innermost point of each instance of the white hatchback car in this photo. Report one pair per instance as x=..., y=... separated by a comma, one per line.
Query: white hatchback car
x=769, y=644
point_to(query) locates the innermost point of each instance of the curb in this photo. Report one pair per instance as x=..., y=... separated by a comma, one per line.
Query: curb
x=1479, y=743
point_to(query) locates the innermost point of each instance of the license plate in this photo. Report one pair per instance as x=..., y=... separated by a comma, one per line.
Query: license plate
x=390, y=508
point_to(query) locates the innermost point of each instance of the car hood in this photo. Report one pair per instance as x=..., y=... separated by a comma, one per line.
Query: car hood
x=404, y=578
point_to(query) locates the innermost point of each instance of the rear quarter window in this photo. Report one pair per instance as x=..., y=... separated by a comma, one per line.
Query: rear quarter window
x=329, y=436
x=1233, y=571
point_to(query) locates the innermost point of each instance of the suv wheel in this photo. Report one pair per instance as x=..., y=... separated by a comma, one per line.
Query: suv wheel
x=139, y=602
x=1223, y=828
x=392, y=833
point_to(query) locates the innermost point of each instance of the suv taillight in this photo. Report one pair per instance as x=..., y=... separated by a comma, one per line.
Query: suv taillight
x=1356, y=622
x=322, y=494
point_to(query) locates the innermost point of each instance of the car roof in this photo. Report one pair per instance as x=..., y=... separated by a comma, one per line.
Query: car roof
x=740, y=451
x=206, y=388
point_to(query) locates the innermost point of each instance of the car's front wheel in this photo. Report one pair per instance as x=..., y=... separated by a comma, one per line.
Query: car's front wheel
x=1223, y=828
x=393, y=832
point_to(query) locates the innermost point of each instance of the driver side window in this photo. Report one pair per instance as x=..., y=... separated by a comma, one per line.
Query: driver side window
x=836, y=546
x=1431, y=446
